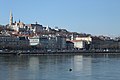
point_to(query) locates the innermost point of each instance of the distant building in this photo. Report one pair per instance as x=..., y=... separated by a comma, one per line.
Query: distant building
x=69, y=45
x=52, y=45
x=56, y=28
x=88, y=39
x=61, y=42
x=35, y=28
x=44, y=43
x=34, y=41
x=104, y=37
x=9, y=42
x=48, y=42
x=72, y=36
x=48, y=29
x=16, y=26
x=103, y=44
x=23, y=43
x=39, y=41
x=96, y=42
x=79, y=44
x=22, y=28
x=11, y=19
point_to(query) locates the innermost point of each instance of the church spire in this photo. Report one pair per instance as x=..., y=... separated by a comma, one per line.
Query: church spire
x=11, y=18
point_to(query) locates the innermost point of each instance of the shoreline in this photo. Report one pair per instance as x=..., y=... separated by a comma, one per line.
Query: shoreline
x=86, y=53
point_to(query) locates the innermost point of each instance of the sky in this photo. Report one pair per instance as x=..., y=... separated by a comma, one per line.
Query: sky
x=96, y=17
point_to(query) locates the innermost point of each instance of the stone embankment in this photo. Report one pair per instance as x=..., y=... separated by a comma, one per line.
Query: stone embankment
x=80, y=52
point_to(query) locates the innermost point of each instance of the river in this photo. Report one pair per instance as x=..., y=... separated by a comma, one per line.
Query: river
x=58, y=67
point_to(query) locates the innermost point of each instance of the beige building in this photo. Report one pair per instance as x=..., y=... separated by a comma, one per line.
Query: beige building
x=16, y=25
x=88, y=39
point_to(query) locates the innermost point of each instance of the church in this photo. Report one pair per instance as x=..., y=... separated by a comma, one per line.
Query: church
x=22, y=27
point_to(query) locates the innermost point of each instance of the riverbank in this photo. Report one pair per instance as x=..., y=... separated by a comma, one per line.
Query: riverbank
x=85, y=52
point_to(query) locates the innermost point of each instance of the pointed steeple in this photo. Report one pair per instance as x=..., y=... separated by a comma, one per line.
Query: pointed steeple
x=11, y=18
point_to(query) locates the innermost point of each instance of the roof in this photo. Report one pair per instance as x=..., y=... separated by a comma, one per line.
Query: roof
x=76, y=40
x=34, y=25
x=69, y=42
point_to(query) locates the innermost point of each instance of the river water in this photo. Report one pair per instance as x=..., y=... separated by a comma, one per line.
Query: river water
x=57, y=68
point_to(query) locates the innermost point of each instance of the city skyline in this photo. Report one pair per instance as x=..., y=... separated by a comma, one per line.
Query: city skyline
x=94, y=17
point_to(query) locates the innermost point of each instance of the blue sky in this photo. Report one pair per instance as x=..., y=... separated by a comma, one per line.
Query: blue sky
x=96, y=17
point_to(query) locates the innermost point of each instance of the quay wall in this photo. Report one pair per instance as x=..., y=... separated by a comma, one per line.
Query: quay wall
x=63, y=53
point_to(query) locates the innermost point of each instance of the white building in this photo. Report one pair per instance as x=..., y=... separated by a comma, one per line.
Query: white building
x=39, y=41
x=88, y=39
x=80, y=44
x=34, y=41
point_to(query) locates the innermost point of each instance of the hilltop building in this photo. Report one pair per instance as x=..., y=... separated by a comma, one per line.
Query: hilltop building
x=11, y=19
x=23, y=28
x=14, y=35
x=16, y=26
x=35, y=28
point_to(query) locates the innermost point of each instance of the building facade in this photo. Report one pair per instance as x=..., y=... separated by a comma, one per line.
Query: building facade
x=88, y=39
x=9, y=42
x=69, y=45
x=79, y=44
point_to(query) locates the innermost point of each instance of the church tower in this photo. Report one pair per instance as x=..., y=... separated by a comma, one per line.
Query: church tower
x=11, y=18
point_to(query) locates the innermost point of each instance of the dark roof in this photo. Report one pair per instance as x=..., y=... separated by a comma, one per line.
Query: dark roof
x=69, y=42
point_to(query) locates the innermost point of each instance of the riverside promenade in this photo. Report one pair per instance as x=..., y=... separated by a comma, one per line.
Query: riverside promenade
x=78, y=52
